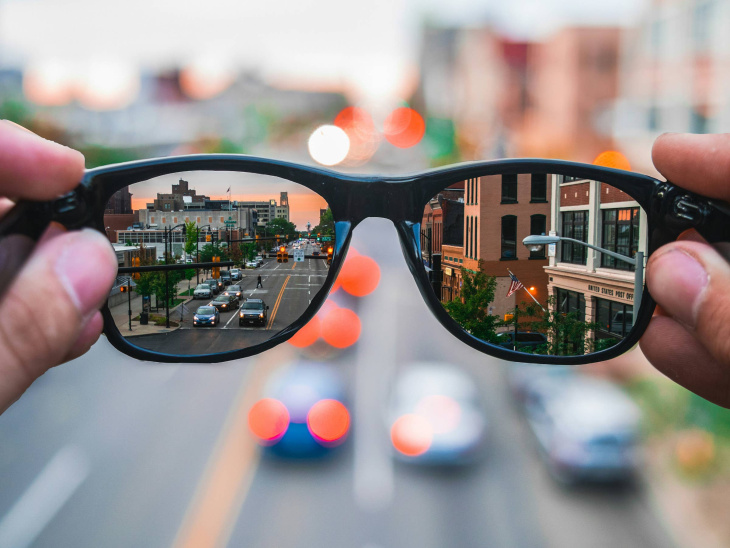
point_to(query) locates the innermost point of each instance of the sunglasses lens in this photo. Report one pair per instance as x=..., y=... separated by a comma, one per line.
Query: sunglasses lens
x=509, y=260
x=263, y=240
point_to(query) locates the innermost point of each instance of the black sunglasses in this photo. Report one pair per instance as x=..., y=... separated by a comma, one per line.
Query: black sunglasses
x=572, y=294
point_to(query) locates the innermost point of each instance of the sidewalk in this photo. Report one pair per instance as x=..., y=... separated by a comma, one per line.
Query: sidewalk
x=120, y=313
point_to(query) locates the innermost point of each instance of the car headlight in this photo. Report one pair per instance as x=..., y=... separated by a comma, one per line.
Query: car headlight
x=261, y=315
x=240, y=314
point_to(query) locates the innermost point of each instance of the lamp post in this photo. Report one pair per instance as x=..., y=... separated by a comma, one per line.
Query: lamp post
x=535, y=243
x=197, y=251
x=430, y=248
x=167, y=233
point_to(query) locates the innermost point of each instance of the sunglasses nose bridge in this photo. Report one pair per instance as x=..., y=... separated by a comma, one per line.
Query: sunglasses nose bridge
x=388, y=199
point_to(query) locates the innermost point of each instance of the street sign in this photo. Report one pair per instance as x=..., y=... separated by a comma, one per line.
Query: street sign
x=229, y=222
x=298, y=255
x=326, y=238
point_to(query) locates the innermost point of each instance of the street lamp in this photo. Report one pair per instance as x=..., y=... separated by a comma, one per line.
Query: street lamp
x=536, y=243
x=167, y=233
x=197, y=250
x=425, y=235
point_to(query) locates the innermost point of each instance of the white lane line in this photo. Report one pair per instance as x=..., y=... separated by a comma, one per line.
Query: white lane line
x=50, y=490
x=235, y=314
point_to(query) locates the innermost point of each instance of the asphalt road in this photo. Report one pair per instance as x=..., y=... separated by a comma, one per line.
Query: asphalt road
x=288, y=289
x=106, y=451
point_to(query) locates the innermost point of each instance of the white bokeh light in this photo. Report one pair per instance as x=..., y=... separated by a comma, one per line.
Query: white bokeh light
x=328, y=145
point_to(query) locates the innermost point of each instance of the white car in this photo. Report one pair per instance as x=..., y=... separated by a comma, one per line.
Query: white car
x=202, y=291
x=436, y=416
x=259, y=259
x=235, y=274
x=252, y=264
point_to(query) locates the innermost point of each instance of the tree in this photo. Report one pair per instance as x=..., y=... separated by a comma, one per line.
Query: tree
x=208, y=251
x=191, y=237
x=567, y=332
x=282, y=227
x=249, y=251
x=326, y=226
x=471, y=310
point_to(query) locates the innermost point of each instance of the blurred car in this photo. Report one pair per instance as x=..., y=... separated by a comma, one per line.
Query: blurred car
x=304, y=412
x=586, y=428
x=235, y=274
x=521, y=376
x=526, y=340
x=206, y=315
x=253, y=311
x=225, y=303
x=252, y=264
x=259, y=259
x=234, y=290
x=225, y=277
x=436, y=416
x=202, y=291
x=213, y=283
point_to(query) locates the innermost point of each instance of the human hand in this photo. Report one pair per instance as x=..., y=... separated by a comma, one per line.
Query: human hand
x=689, y=337
x=50, y=312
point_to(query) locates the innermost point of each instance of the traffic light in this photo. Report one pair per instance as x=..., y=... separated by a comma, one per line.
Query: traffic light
x=282, y=256
x=136, y=262
x=123, y=288
x=329, y=255
x=216, y=269
x=208, y=237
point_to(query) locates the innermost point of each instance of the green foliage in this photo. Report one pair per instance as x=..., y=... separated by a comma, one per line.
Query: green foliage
x=326, y=226
x=100, y=156
x=191, y=237
x=282, y=227
x=15, y=111
x=209, y=250
x=472, y=311
x=248, y=251
x=566, y=333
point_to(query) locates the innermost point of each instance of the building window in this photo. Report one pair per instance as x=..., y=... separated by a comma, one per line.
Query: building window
x=538, y=189
x=537, y=227
x=509, y=237
x=509, y=188
x=615, y=320
x=475, y=243
x=574, y=225
x=620, y=235
x=570, y=179
x=167, y=207
x=571, y=301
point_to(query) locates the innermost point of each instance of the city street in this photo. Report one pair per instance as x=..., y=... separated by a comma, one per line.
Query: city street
x=287, y=290
x=107, y=451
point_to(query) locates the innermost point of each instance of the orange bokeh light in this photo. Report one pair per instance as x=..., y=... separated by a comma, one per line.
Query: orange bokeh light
x=614, y=159
x=404, y=127
x=268, y=419
x=308, y=334
x=359, y=275
x=411, y=434
x=341, y=328
x=328, y=420
x=360, y=129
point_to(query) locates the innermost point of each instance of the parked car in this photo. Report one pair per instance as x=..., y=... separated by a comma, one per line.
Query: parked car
x=252, y=264
x=206, y=315
x=587, y=428
x=234, y=290
x=225, y=303
x=253, y=311
x=202, y=291
x=435, y=416
x=213, y=283
x=304, y=412
x=526, y=340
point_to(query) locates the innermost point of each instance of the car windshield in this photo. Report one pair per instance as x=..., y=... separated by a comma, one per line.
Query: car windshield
x=234, y=288
x=221, y=298
x=203, y=286
x=206, y=311
x=252, y=306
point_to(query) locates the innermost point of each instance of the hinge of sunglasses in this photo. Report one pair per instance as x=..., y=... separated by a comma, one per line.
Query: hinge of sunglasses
x=69, y=210
x=689, y=209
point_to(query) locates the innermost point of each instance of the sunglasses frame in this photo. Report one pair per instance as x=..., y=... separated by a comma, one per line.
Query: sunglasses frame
x=670, y=210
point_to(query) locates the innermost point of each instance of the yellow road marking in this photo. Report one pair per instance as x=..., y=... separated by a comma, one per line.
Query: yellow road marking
x=278, y=302
x=209, y=520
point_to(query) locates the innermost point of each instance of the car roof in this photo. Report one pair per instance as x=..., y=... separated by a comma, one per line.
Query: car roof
x=254, y=300
x=423, y=379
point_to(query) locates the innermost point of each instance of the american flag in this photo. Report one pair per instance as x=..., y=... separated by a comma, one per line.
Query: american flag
x=516, y=285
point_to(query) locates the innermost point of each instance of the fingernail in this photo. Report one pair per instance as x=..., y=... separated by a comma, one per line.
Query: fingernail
x=676, y=281
x=85, y=270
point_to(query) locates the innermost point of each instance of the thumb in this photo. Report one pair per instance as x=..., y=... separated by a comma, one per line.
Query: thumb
x=51, y=307
x=690, y=280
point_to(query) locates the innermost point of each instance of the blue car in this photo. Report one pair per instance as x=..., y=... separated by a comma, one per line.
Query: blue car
x=206, y=315
x=304, y=415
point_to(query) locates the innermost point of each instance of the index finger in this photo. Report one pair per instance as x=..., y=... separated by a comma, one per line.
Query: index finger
x=34, y=168
x=699, y=163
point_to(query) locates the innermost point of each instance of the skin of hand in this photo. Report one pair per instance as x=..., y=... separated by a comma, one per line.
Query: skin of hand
x=688, y=338
x=73, y=269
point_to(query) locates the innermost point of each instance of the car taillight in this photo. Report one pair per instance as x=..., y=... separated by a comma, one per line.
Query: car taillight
x=268, y=420
x=411, y=434
x=328, y=421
